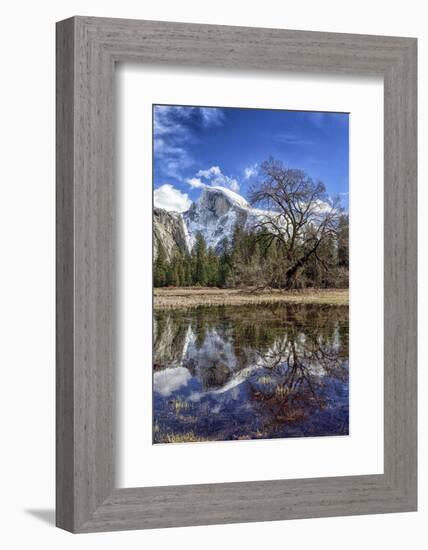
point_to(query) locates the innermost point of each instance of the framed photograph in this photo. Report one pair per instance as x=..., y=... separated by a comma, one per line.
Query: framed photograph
x=236, y=274
x=251, y=323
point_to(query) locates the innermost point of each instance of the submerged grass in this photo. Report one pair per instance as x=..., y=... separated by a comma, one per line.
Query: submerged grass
x=264, y=380
x=281, y=391
x=178, y=405
x=188, y=437
x=194, y=297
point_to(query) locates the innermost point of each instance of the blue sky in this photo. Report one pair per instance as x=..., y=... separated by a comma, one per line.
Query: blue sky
x=199, y=146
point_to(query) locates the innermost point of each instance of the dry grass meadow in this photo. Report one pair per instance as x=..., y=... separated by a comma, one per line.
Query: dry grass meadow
x=192, y=297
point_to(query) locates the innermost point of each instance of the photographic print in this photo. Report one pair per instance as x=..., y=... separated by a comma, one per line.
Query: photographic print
x=250, y=274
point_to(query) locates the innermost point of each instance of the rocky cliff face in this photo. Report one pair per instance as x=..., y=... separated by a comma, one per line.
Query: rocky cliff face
x=214, y=214
x=170, y=230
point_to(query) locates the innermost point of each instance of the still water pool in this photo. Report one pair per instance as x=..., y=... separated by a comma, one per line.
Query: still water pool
x=250, y=372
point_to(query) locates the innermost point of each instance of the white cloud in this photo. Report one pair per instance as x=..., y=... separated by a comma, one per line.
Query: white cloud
x=174, y=159
x=195, y=182
x=212, y=116
x=214, y=177
x=174, y=132
x=171, y=379
x=234, y=185
x=250, y=171
x=211, y=172
x=226, y=181
x=168, y=197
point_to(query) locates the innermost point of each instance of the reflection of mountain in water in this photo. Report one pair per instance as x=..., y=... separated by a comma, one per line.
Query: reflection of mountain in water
x=250, y=372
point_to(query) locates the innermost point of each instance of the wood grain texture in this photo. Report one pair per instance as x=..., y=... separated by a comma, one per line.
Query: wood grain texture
x=87, y=49
x=64, y=276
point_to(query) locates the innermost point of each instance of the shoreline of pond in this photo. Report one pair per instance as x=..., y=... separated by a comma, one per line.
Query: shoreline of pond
x=194, y=297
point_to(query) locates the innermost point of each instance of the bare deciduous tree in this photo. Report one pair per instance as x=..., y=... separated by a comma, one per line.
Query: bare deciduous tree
x=301, y=219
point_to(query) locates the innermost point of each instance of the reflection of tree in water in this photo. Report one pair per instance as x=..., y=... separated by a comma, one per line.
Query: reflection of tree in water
x=299, y=368
x=292, y=358
x=168, y=340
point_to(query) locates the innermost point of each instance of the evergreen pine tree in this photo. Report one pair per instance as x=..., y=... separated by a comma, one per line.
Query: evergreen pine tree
x=343, y=242
x=224, y=270
x=170, y=274
x=200, y=276
x=160, y=268
x=212, y=264
x=180, y=270
x=187, y=270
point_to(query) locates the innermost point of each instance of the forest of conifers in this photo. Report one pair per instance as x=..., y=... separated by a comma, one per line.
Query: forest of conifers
x=245, y=261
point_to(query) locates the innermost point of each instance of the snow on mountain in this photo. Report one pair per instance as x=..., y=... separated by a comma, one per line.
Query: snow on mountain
x=231, y=195
x=216, y=213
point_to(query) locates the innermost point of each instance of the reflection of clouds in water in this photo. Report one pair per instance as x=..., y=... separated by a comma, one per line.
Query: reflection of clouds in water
x=259, y=372
x=169, y=380
x=196, y=396
x=216, y=346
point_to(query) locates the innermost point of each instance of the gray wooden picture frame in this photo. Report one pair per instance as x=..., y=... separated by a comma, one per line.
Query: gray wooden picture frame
x=87, y=50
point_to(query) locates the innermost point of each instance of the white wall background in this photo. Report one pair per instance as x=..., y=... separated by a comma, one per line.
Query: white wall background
x=27, y=272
